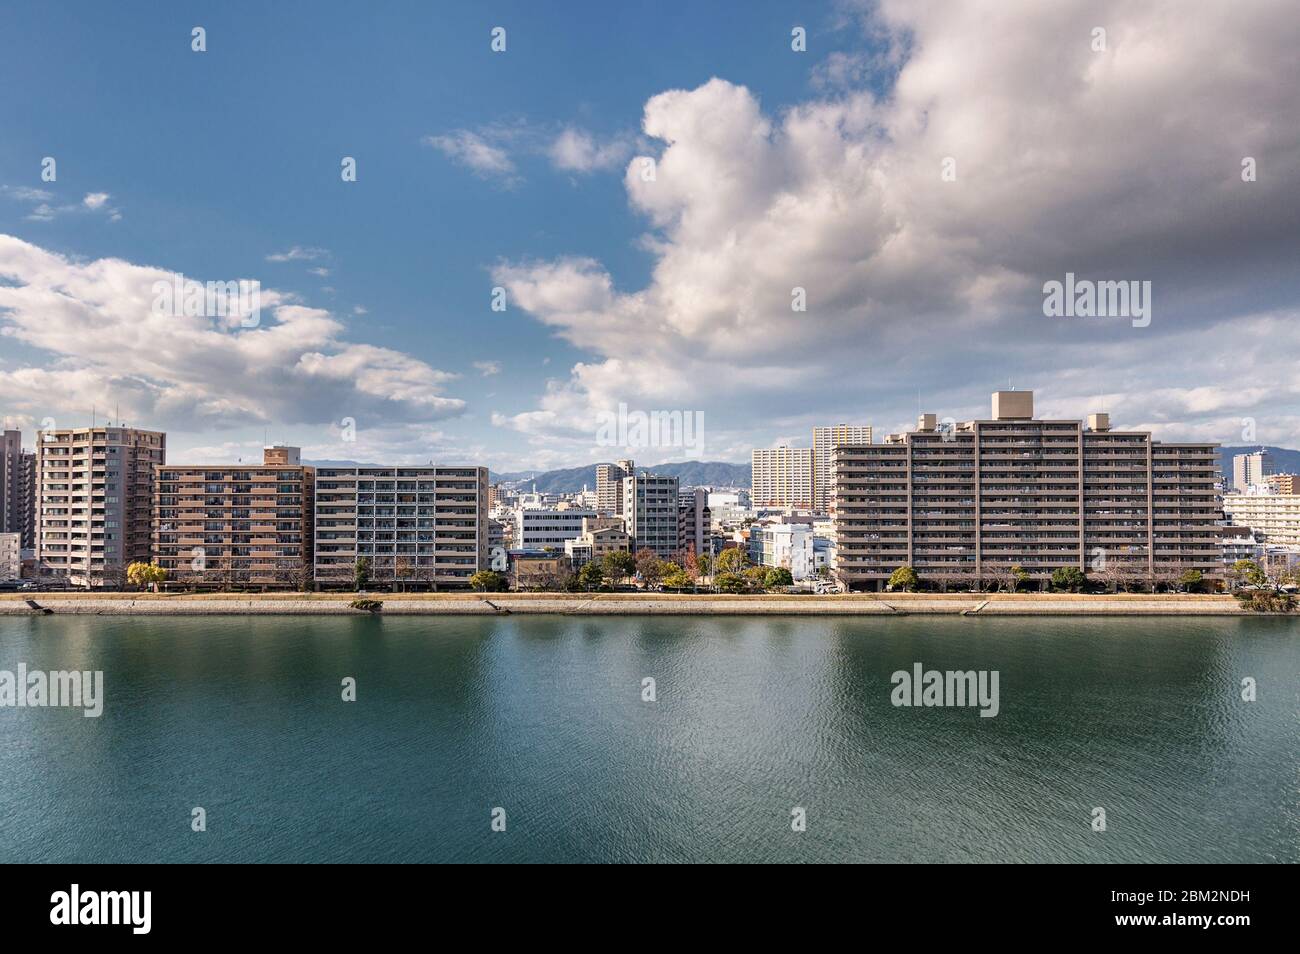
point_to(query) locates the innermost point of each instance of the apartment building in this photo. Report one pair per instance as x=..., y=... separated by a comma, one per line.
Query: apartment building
x=1251, y=469
x=600, y=536
x=95, y=488
x=782, y=476
x=11, y=556
x=788, y=545
x=426, y=526
x=1284, y=483
x=825, y=440
x=543, y=528
x=1275, y=518
x=693, y=521
x=236, y=524
x=965, y=504
x=609, y=485
x=17, y=488
x=650, y=503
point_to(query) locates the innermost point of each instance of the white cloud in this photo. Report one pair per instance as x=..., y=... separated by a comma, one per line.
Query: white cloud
x=95, y=200
x=299, y=253
x=576, y=150
x=105, y=345
x=488, y=368
x=472, y=150
x=1067, y=160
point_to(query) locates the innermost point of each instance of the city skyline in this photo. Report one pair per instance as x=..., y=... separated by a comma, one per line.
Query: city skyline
x=667, y=294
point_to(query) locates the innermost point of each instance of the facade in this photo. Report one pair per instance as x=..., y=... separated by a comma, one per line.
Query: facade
x=1238, y=543
x=825, y=440
x=788, y=545
x=782, y=476
x=17, y=488
x=543, y=528
x=95, y=488
x=236, y=525
x=1275, y=518
x=693, y=521
x=11, y=556
x=421, y=525
x=609, y=485
x=1285, y=484
x=600, y=535
x=650, y=509
x=969, y=502
x=1251, y=469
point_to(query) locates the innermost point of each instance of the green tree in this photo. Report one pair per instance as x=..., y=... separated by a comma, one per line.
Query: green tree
x=1248, y=571
x=591, y=576
x=778, y=576
x=732, y=560
x=1069, y=578
x=488, y=581
x=619, y=564
x=1190, y=581
x=677, y=578
x=360, y=573
x=729, y=582
x=904, y=578
x=146, y=574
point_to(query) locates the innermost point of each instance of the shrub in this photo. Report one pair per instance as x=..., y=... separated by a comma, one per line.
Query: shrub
x=369, y=606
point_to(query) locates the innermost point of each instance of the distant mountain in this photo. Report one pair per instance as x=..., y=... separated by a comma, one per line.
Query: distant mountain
x=1285, y=461
x=691, y=473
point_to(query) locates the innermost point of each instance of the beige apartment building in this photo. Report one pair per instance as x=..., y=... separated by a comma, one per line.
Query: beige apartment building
x=609, y=485
x=1275, y=518
x=95, y=501
x=782, y=476
x=825, y=440
x=1288, y=484
x=600, y=536
x=236, y=525
x=417, y=526
x=967, y=503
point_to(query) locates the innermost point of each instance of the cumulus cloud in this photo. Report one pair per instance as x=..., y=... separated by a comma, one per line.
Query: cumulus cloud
x=95, y=200
x=1116, y=165
x=104, y=344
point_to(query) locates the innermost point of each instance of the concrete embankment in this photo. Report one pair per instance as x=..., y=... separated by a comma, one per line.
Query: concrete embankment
x=464, y=604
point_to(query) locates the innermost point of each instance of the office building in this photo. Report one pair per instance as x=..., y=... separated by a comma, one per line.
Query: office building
x=95, y=488
x=825, y=440
x=600, y=536
x=965, y=504
x=236, y=525
x=650, y=505
x=548, y=528
x=782, y=476
x=421, y=526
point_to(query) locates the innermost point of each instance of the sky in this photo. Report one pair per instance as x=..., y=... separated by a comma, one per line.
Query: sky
x=647, y=192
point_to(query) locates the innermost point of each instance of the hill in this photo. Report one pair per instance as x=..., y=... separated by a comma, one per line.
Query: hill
x=691, y=473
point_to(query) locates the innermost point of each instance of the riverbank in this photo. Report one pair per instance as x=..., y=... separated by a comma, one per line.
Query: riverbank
x=620, y=604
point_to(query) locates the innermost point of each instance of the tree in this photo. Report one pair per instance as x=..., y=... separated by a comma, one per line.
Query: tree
x=619, y=564
x=1191, y=579
x=729, y=582
x=591, y=576
x=732, y=560
x=649, y=566
x=1008, y=576
x=488, y=581
x=677, y=579
x=904, y=578
x=1069, y=578
x=1248, y=571
x=146, y=574
x=778, y=576
x=360, y=573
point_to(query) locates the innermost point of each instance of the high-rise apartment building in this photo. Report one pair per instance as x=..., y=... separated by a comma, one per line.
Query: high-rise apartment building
x=1285, y=483
x=236, y=525
x=1251, y=469
x=650, y=508
x=420, y=525
x=968, y=503
x=17, y=488
x=782, y=476
x=95, y=489
x=609, y=485
x=825, y=440
x=1275, y=518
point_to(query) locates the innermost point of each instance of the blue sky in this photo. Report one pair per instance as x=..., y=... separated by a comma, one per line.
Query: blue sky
x=220, y=164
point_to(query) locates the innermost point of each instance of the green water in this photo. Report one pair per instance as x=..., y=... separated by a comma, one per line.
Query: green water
x=544, y=717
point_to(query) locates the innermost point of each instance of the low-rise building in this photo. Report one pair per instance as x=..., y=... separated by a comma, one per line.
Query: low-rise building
x=541, y=528
x=11, y=556
x=788, y=545
x=600, y=536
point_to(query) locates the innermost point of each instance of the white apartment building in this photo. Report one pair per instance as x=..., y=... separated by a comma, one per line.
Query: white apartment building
x=825, y=440
x=788, y=545
x=539, y=528
x=1275, y=518
x=95, y=489
x=782, y=476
